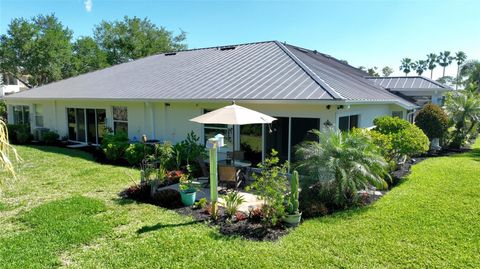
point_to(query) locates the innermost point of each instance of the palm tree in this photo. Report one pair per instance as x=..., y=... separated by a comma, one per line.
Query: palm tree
x=460, y=57
x=431, y=62
x=406, y=66
x=463, y=107
x=444, y=60
x=419, y=66
x=471, y=70
x=6, y=152
x=345, y=161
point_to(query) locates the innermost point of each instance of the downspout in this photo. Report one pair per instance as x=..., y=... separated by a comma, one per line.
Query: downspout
x=413, y=115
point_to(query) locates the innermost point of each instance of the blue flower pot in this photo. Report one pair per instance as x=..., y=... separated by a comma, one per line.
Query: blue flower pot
x=188, y=197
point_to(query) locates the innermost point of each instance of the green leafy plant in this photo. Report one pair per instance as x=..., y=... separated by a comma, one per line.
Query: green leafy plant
x=433, y=121
x=188, y=151
x=463, y=107
x=271, y=185
x=50, y=137
x=202, y=203
x=114, y=145
x=19, y=133
x=231, y=203
x=136, y=152
x=407, y=140
x=292, y=201
x=186, y=182
x=348, y=162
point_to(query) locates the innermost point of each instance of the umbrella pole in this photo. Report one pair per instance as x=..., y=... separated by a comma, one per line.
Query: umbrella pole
x=233, y=152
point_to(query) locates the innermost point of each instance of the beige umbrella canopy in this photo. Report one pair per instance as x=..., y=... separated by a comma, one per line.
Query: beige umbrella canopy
x=233, y=115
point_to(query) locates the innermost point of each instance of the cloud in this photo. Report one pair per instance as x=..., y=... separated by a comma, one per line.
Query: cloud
x=88, y=5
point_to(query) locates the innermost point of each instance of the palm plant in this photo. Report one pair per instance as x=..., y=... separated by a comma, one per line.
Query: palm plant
x=463, y=107
x=346, y=161
x=460, y=57
x=471, y=70
x=444, y=60
x=431, y=62
x=6, y=153
x=406, y=66
x=231, y=203
x=419, y=66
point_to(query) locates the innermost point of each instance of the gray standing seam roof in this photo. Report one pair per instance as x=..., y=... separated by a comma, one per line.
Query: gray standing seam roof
x=255, y=71
x=405, y=83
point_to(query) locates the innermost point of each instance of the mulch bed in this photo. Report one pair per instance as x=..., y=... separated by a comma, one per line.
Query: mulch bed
x=246, y=228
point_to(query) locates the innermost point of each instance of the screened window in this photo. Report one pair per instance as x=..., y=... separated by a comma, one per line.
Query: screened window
x=39, y=115
x=21, y=114
x=347, y=123
x=120, y=119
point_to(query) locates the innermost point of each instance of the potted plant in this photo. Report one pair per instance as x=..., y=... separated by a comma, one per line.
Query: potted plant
x=293, y=216
x=188, y=189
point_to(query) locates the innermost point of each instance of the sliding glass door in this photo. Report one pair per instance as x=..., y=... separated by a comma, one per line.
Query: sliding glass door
x=276, y=137
x=251, y=142
x=86, y=125
x=300, y=132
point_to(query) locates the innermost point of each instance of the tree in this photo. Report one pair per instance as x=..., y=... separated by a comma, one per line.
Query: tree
x=463, y=107
x=39, y=47
x=460, y=57
x=133, y=38
x=471, y=70
x=447, y=80
x=406, y=66
x=373, y=72
x=419, y=66
x=387, y=71
x=431, y=62
x=87, y=56
x=444, y=60
x=347, y=161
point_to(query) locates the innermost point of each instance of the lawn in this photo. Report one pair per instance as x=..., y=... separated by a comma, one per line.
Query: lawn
x=64, y=212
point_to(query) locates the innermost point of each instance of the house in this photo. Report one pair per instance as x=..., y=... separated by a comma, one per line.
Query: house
x=421, y=89
x=10, y=85
x=157, y=95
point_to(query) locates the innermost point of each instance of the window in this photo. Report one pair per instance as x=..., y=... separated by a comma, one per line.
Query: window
x=21, y=114
x=398, y=114
x=39, y=115
x=211, y=130
x=86, y=125
x=347, y=123
x=120, y=119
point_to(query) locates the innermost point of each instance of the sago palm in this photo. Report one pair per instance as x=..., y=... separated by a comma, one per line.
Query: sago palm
x=347, y=161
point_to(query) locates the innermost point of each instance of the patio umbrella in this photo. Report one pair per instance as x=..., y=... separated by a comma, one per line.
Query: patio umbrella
x=233, y=115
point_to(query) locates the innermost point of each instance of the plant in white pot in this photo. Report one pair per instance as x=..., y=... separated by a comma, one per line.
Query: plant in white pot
x=293, y=216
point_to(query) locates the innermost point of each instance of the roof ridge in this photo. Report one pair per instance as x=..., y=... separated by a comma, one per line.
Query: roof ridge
x=309, y=72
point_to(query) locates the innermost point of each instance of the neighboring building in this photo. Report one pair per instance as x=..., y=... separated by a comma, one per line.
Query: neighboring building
x=10, y=85
x=157, y=96
x=421, y=89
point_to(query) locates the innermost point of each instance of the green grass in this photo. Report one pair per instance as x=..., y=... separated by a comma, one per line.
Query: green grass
x=64, y=212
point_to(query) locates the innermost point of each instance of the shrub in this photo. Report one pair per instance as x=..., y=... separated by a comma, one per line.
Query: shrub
x=136, y=152
x=271, y=185
x=433, y=121
x=406, y=139
x=136, y=192
x=188, y=151
x=167, y=198
x=50, y=137
x=345, y=162
x=19, y=133
x=114, y=145
x=3, y=110
x=231, y=203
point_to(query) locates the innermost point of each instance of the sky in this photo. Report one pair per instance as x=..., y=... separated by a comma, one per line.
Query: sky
x=365, y=33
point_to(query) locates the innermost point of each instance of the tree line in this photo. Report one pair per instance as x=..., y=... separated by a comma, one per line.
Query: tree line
x=41, y=50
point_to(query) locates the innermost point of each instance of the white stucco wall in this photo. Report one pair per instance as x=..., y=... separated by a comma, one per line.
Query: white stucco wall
x=170, y=121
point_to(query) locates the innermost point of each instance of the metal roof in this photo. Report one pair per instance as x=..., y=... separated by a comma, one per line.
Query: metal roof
x=255, y=71
x=408, y=83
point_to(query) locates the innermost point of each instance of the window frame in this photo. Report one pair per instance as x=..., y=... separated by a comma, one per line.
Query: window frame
x=35, y=107
x=23, y=120
x=119, y=120
x=349, y=128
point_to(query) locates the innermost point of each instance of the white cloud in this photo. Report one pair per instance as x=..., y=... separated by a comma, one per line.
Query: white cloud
x=88, y=5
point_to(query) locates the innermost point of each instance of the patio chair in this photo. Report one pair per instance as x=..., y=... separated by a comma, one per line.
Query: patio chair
x=230, y=176
x=205, y=178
